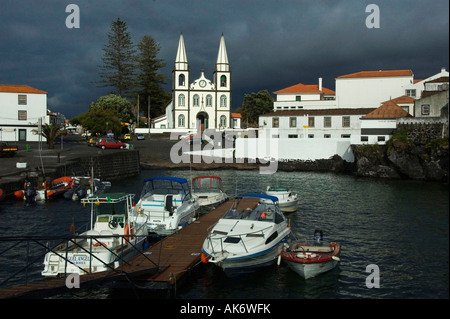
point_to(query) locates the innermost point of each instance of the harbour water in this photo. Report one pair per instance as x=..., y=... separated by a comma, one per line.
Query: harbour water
x=398, y=227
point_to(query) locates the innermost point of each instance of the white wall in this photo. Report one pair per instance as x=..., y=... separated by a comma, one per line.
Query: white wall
x=293, y=149
x=369, y=92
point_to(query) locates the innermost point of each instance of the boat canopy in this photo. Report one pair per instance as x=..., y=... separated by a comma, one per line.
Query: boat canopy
x=166, y=185
x=270, y=197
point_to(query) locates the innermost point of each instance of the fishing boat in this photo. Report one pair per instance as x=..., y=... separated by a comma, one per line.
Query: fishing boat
x=311, y=258
x=246, y=238
x=208, y=190
x=288, y=200
x=166, y=204
x=114, y=237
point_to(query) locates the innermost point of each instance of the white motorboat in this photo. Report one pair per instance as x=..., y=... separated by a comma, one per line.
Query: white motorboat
x=311, y=258
x=208, y=190
x=288, y=200
x=114, y=237
x=246, y=238
x=166, y=204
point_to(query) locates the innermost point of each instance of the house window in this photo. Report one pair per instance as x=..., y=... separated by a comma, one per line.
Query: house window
x=292, y=122
x=345, y=135
x=364, y=138
x=298, y=98
x=196, y=98
x=22, y=99
x=275, y=122
x=381, y=138
x=310, y=135
x=411, y=93
x=223, y=101
x=311, y=121
x=22, y=116
x=181, y=100
x=223, y=81
x=425, y=109
x=223, y=121
x=292, y=135
x=327, y=121
x=346, y=121
x=327, y=136
x=209, y=100
x=181, y=80
x=181, y=120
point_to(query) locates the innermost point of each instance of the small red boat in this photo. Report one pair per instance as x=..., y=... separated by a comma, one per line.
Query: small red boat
x=310, y=259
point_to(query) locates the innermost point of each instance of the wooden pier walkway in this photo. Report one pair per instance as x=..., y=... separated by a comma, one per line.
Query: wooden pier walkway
x=167, y=261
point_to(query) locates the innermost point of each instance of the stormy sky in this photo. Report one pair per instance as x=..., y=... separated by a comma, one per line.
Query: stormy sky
x=271, y=44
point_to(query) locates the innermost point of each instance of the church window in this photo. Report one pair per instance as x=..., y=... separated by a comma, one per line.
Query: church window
x=209, y=100
x=223, y=81
x=223, y=101
x=181, y=80
x=196, y=99
x=181, y=100
x=223, y=121
x=181, y=120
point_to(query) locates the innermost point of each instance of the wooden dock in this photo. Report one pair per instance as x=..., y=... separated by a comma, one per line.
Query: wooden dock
x=166, y=262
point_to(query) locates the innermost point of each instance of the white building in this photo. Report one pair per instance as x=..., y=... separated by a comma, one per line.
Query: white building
x=21, y=109
x=371, y=88
x=203, y=101
x=301, y=96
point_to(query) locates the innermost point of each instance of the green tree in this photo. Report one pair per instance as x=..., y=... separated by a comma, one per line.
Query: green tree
x=149, y=80
x=51, y=132
x=100, y=121
x=119, y=59
x=254, y=105
x=120, y=106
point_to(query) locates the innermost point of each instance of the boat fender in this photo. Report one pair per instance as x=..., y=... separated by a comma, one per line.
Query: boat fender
x=204, y=258
x=336, y=258
x=129, y=232
x=279, y=260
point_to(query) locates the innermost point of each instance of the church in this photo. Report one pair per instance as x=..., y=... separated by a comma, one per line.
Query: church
x=200, y=103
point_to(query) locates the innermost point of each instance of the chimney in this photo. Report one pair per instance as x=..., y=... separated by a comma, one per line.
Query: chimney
x=443, y=70
x=320, y=84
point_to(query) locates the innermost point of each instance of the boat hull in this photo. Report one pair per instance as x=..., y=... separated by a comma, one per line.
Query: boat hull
x=311, y=270
x=249, y=263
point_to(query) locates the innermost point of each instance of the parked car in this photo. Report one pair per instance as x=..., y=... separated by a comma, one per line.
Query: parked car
x=140, y=136
x=111, y=143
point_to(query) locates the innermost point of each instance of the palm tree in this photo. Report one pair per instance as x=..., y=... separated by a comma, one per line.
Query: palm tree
x=51, y=132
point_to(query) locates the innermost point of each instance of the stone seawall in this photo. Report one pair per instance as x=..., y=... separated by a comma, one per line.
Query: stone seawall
x=108, y=167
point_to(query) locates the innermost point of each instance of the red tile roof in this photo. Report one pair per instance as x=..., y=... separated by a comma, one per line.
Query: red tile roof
x=389, y=110
x=20, y=89
x=302, y=88
x=236, y=115
x=380, y=73
x=402, y=100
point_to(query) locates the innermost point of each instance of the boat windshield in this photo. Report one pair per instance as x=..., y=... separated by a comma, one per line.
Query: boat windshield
x=117, y=208
x=206, y=185
x=164, y=187
x=263, y=212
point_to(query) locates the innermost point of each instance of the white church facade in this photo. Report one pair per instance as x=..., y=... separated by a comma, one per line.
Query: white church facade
x=200, y=103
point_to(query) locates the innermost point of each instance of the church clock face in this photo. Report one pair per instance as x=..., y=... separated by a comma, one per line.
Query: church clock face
x=202, y=83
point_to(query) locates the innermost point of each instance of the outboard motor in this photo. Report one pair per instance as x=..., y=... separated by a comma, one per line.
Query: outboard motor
x=318, y=236
x=30, y=194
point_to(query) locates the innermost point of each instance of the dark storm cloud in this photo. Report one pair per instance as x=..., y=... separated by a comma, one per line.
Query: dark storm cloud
x=270, y=44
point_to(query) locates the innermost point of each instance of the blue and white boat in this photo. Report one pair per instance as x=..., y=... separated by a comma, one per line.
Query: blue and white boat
x=247, y=237
x=166, y=204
